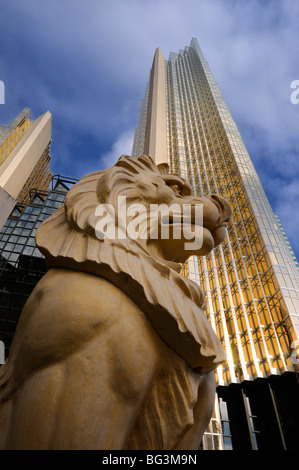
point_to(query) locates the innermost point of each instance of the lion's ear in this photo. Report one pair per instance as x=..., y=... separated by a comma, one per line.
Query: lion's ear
x=163, y=168
x=137, y=165
x=148, y=162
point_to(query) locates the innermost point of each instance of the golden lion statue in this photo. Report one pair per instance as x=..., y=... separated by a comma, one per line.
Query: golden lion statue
x=113, y=350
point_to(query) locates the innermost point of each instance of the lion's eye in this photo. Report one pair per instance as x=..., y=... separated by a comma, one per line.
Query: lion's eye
x=176, y=188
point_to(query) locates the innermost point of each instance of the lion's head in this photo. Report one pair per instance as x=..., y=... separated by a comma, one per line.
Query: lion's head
x=140, y=265
x=137, y=183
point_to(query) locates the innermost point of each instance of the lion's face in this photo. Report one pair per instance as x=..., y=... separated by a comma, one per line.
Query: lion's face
x=160, y=207
x=158, y=215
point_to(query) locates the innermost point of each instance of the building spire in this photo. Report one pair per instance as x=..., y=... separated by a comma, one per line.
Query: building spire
x=155, y=134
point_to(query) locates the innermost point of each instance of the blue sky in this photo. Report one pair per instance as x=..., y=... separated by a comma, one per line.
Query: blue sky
x=88, y=61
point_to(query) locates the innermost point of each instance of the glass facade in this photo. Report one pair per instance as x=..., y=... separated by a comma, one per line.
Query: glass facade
x=40, y=177
x=251, y=281
x=10, y=136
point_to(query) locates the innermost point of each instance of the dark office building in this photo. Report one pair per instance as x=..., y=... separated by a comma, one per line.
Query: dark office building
x=21, y=263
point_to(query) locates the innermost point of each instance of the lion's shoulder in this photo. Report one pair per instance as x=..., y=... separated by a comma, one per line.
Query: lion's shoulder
x=66, y=311
x=71, y=306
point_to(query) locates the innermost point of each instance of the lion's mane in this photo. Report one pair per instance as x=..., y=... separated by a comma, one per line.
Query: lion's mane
x=173, y=304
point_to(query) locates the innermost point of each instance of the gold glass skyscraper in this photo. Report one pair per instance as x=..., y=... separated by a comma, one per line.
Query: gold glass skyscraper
x=251, y=281
x=24, y=159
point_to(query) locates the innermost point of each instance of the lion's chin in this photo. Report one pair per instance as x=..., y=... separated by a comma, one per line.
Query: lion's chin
x=219, y=235
x=179, y=250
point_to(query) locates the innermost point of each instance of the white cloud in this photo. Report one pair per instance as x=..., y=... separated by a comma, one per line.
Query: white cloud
x=122, y=146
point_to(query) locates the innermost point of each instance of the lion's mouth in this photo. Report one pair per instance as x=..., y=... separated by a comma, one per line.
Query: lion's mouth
x=193, y=219
x=196, y=230
x=213, y=217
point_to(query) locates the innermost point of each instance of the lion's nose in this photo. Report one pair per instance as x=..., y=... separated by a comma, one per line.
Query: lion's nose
x=224, y=208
